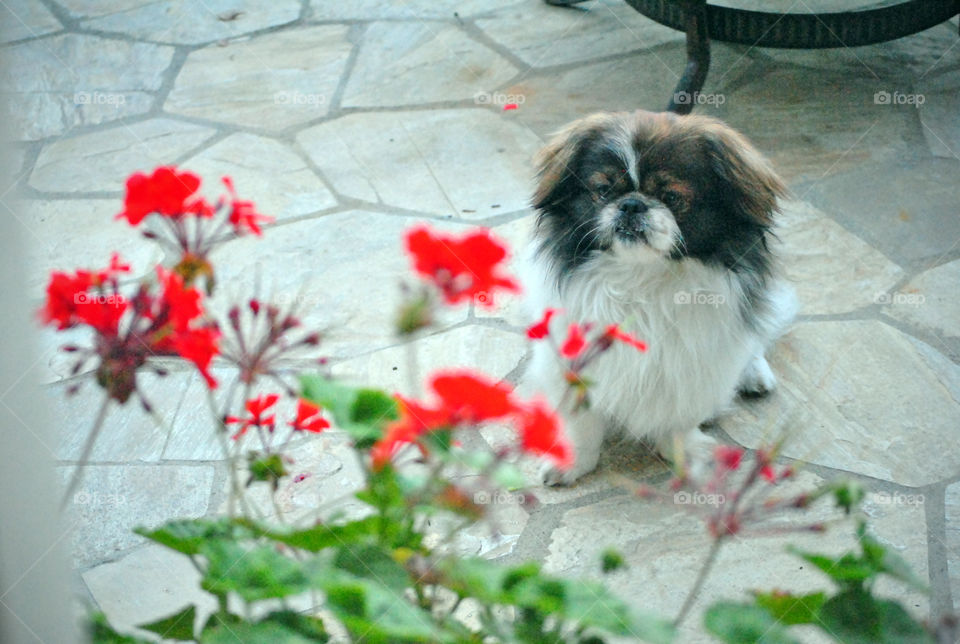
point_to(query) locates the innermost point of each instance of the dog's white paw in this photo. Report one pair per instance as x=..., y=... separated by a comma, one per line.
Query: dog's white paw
x=757, y=379
x=550, y=475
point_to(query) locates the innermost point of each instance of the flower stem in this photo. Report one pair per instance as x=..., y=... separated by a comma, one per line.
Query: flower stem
x=698, y=584
x=87, y=448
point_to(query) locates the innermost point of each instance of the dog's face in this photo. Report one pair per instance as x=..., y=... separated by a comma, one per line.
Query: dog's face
x=653, y=187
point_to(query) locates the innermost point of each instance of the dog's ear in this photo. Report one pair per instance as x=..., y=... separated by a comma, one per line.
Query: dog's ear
x=753, y=184
x=556, y=162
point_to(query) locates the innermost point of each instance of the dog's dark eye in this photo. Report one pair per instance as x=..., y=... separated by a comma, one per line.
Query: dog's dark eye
x=599, y=183
x=672, y=200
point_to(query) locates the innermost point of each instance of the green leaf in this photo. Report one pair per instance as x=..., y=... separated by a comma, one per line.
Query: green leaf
x=178, y=626
x=102, y=633
x=373, y=562
x=848, y=495
x=890, y=563
x=848, y=570
x=856, y=617
x=737, y=623
x=267, y=468
x=509, y=476
x=791, y=609
x=283, y=627
x=188, y=535
x=322, y=536
x=360, y=412
x=611, y=560
x=253, y=573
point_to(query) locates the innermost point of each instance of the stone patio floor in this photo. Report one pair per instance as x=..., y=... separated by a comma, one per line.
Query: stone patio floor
x=349, y=121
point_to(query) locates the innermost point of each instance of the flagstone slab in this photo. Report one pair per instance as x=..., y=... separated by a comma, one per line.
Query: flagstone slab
x=272, y=81
x=101, y=161
x=664, y=546
x=59, y=234
x=832, y=270
x=550, y=100
x=466, y=347
x=21, y=19
x=509, y=306
x=863, y=397
x=148, y=584
x=941, y=104
x=406, y=63
x=111, y=500
x=930, y=300
x=392, y=9
x=341, y=278
x=115, y=81
x=265, y=171
x=183, y=22
x=835, y=123
x=543, y=35
x=467, y=163
x=129, y=432
x=907, y=210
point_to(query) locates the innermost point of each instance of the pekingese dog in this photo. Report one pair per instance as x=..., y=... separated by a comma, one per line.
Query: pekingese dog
x=659, y=223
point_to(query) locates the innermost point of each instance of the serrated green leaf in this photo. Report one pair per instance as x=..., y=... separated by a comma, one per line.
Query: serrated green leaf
x=282, y=627
x=253, y=573
x=102, y=633
x=791, y=609
x=360, y=412
x=846, y=570
x=737, y=623
x=322, y=536
x=856, y=617
x=178, y=626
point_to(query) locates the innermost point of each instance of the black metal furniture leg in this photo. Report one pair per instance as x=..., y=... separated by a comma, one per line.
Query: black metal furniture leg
x=698, y=58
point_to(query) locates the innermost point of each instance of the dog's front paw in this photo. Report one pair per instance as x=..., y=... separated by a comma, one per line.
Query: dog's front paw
x=550, y=475
x=757, y=379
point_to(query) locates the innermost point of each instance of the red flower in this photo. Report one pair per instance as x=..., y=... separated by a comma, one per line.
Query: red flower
x=614, y=333
x=184, y=303
x=256, y=408
x=768, y=474
x=166, y=191
x=575, y=343
x=199, y=346
x=308, y=418
x=469, y=399
x=541, y=329
x=415, y=421
x=69, y=303
x=243, y=214
x=540, y=434
x=727, y=458
x=462, y=268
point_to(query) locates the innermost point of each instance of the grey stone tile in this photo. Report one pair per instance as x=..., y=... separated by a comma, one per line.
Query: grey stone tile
x=406, y=63
x=952, y=544
x=111, y=500
x=930, y=300
x=188, y=23
x=832, y=270
x=410, y=9
x=264, y=171
x=341, y=272
x=509, y=306
x=543, y=35
x=816, y=124
x=938, y=113
x=863, y=397
x=103, y=160
x=25, y=19
x=129, y=433
x=58, y=234
x=907, y=211
x=466, y=347
x=469, y=163
x=78, y=80
x=664, y=547
x=148, y=584
x=271, y=82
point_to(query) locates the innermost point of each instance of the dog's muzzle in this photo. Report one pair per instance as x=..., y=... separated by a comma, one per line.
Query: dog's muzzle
x=631, y=220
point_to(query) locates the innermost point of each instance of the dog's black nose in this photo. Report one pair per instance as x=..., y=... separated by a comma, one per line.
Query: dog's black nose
x=632, y=206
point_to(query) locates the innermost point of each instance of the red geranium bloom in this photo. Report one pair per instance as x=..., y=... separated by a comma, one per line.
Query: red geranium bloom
x=728, y=458
x=575, y=343
x=614, y=333
x=184, y=303
x=541, y=329
x=768, y=474
x=415, y=421
x=540, y=434
x=243, y=214
x=308, y=418
x=68, y=302
x=469, y=399
x=199, y=346
x=256, y=408
x=167, y=191
x=462, y=268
